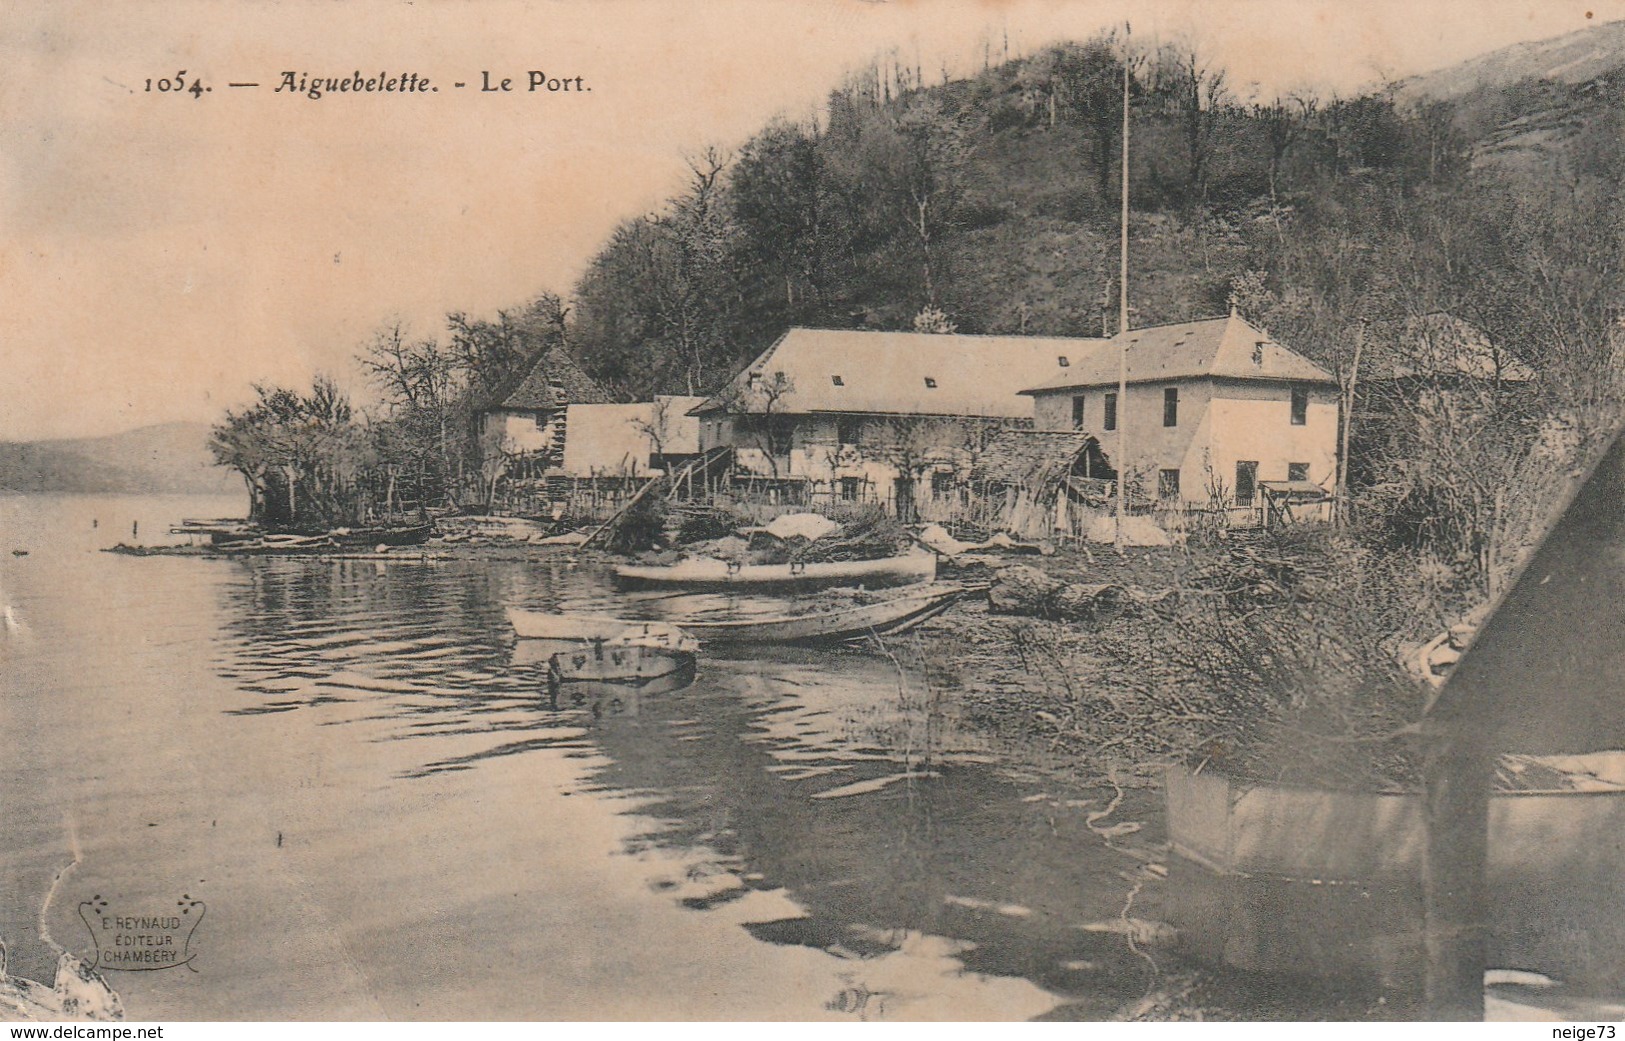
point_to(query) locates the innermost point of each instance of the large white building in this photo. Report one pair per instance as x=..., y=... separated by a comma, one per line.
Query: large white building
x=889, y=417
x=1214, y=408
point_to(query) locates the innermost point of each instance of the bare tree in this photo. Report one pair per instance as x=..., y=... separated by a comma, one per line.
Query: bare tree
x=420, y=381
x=657, y=427
x=756, y=403
x=1194, y=91
x=924, y=153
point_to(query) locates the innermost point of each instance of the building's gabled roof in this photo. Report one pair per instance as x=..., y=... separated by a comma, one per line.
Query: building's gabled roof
x=898, y=373
x=1222, y=348
x=1031, y=458
x=551, y=379
x=1442, y=345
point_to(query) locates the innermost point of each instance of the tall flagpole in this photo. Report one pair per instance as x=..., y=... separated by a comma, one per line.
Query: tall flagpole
x=1122, y=329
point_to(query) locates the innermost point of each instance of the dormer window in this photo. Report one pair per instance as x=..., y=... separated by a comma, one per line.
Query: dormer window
x=930, y=384
x=837, y=381
x=1258, y=353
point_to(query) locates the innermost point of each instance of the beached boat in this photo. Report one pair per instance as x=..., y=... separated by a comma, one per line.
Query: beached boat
x=1297, y=880
x=220, y=532
x=712, y=574
x=390, y=535
x=831, y=624
x=338, y=538
x=633, y=664
x=582, y=628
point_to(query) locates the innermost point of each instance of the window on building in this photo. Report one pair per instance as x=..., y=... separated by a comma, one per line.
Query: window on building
x=837, y=381
x=780, y=436
x=1077, y=412
x=930, y=384
x=1063, y=361
x=851, y=488
x=1297, y=471
x=942, y=484
x=1246, y=482
x=1111, y=412
x=1170, y=407
x=1167, y=484
x=1300, y=406
x=848, y=429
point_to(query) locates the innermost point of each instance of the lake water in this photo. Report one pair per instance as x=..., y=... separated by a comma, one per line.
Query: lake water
x=351, y=777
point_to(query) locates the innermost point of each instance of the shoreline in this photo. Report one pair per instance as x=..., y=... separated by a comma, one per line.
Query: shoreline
x=1002, y=677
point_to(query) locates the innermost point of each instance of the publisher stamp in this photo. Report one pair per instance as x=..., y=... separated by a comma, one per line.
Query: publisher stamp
x=142, y=939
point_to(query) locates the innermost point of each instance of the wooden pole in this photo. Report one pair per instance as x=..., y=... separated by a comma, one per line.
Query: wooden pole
x=1122, y=330
x=1341, y=507
x=617, y=514
x=1456, y=775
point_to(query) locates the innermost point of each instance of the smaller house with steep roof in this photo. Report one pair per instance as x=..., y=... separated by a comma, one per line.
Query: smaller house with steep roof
x=1441, y=350
x=1214, y=408
x=896, y=418
x=526, y=418
x=1425, y=380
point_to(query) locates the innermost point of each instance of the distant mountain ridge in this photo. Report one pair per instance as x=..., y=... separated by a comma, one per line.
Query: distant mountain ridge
x=169, y=458
x=1573, y=59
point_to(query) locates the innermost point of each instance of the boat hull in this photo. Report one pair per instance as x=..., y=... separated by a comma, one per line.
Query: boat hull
x=895, y=615
x=710, y=574
x=548, y=625
x=281, y=544
x=628, y=664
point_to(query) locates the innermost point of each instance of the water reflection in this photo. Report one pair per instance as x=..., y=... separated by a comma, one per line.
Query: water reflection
x=779, y=769
x=830, y=793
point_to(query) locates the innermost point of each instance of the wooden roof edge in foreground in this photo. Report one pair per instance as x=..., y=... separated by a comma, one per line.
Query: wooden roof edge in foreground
x=1542, y=674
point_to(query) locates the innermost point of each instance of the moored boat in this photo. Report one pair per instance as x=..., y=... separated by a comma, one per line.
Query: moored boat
x=579, y=628
x=633, y=664
x=337, y=539
x=831, y=624
x=713, y=574
x=390, y=535
x=220, y=532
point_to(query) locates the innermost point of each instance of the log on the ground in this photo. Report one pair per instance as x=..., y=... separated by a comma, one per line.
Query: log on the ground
x=1029, y=592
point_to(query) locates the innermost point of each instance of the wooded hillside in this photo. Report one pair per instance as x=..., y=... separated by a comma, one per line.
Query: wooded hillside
x=995, y=199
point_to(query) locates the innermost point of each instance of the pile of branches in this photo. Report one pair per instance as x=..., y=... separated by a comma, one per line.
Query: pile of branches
x=1278, y=659
x=867, y=533
x=707, y=523
x=1300, y=646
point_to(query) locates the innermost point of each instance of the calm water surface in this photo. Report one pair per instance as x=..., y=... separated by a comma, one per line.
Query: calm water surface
x=354, y=770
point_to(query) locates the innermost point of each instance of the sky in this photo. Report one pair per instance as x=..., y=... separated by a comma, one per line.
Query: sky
x=160, y=253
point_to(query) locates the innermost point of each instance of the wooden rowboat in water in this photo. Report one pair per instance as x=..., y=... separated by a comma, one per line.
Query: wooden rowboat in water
x=583, y=628
x=712, y=574
x=633, y=664
x=834, y=624
x=830, y=623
